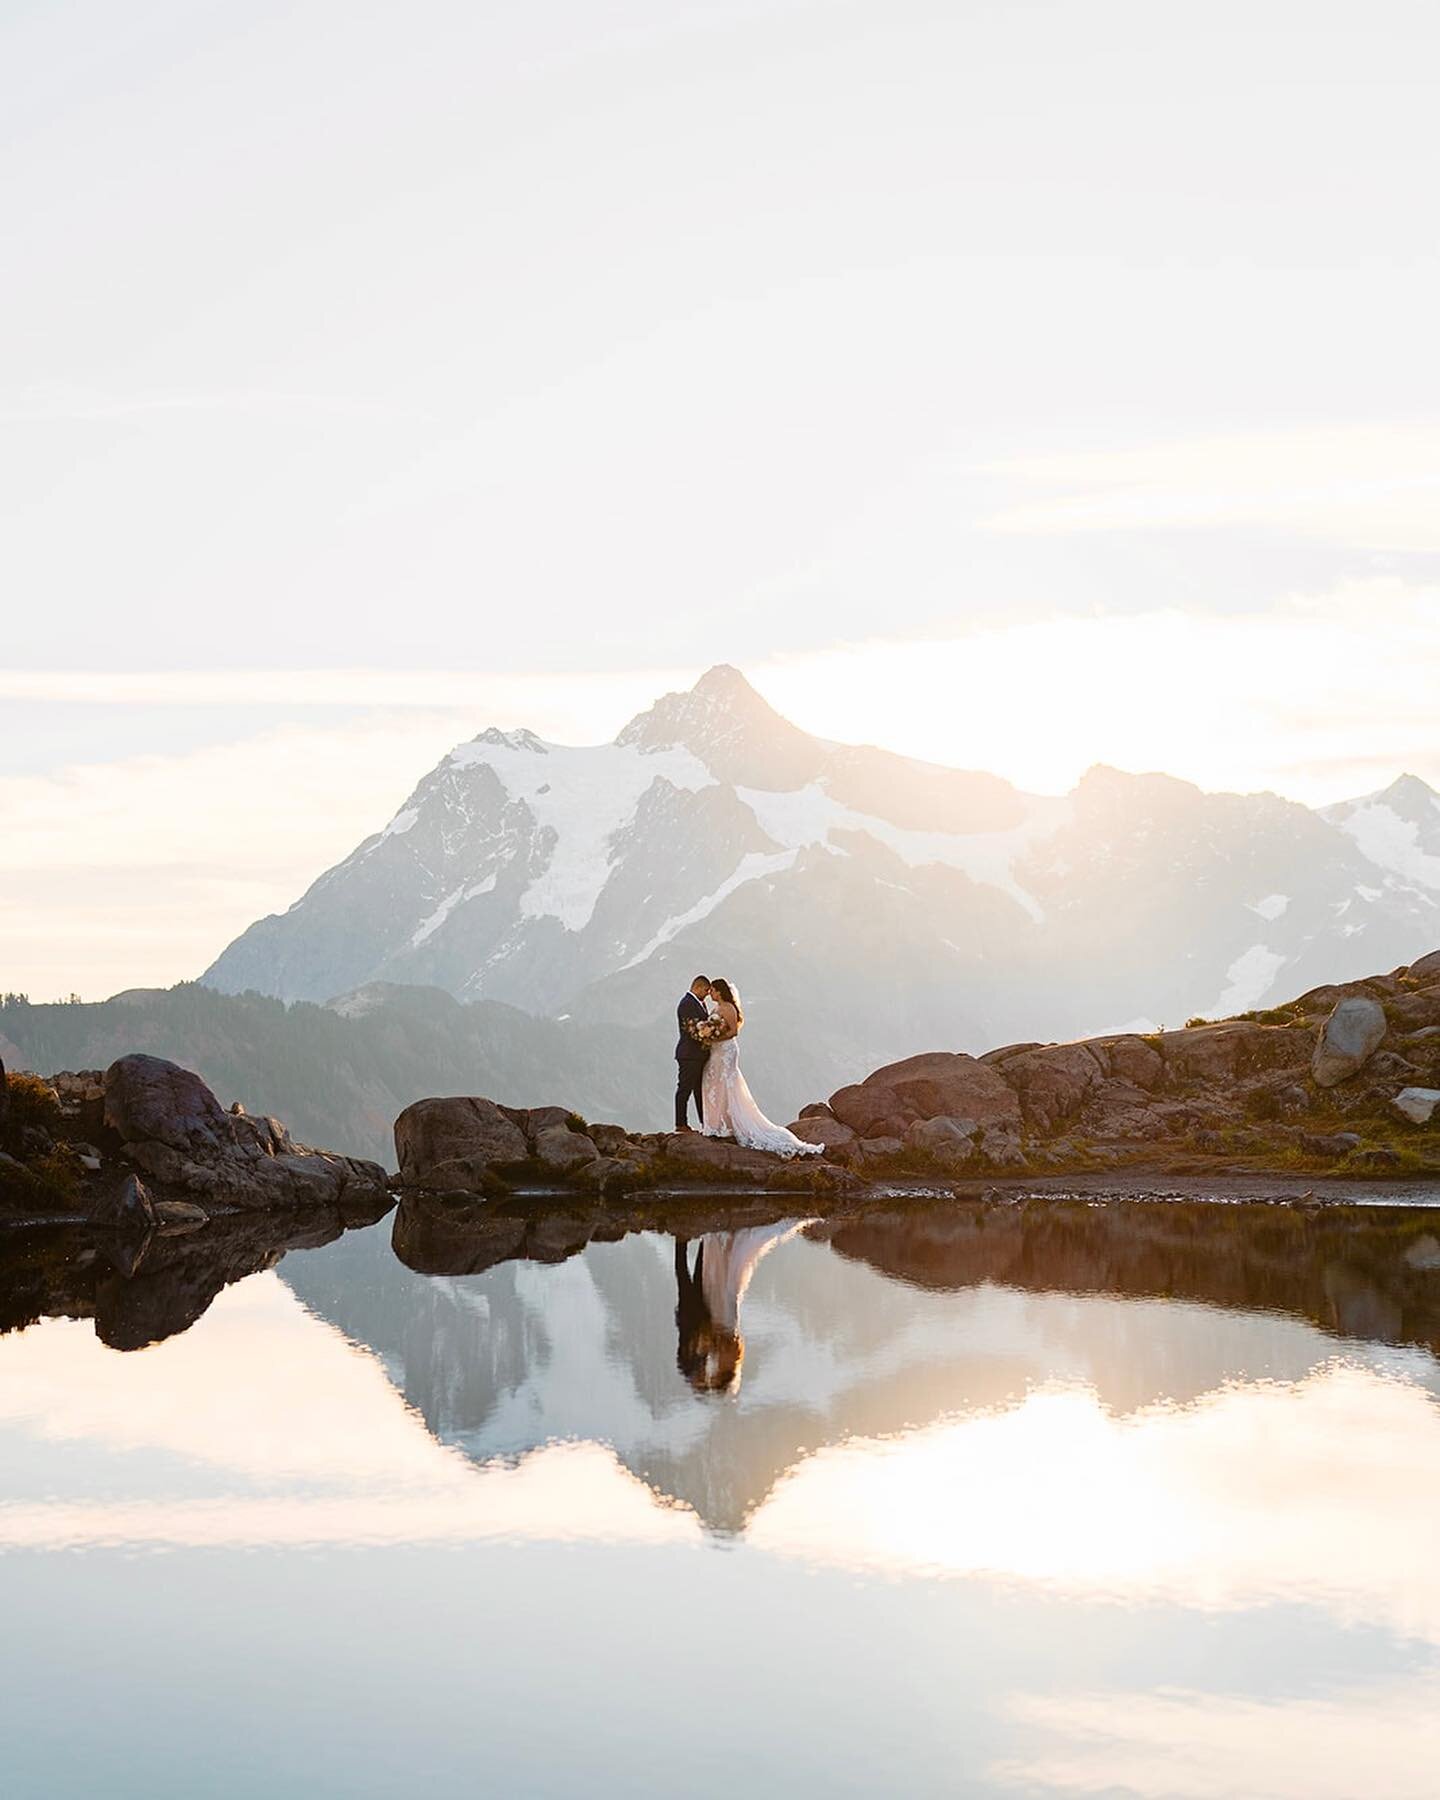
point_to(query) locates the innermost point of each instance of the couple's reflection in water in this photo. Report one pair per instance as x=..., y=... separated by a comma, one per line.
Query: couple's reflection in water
x=710, y=1284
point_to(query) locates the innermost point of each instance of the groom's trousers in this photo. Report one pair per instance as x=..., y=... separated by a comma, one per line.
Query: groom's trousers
x=690, y=1073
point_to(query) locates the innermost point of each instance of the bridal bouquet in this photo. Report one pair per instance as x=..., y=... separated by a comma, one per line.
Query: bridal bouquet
x=705, y=1031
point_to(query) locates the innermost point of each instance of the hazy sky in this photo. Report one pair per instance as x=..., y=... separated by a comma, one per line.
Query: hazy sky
x=1023, y=385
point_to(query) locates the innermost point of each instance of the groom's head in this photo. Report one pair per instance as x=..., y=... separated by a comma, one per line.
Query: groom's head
x=700, y=986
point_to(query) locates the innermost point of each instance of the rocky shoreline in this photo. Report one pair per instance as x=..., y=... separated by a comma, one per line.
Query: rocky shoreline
x=1343, y=1082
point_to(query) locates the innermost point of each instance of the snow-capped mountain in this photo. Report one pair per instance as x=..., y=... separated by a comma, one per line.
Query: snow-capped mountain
x=866, y=904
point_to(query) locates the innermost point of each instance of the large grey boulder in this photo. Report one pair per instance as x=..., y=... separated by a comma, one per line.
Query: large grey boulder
x=1348, y=1039
x=1417, y=1104
x=456, y=1143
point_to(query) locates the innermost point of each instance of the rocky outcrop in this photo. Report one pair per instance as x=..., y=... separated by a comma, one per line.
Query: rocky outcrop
x=147, y=1146
x=1328, y=1079
x=171, y=1126
x=473, y=1146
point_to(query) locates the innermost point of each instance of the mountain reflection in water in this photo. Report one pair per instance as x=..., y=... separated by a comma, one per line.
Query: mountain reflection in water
x=1217, y=1423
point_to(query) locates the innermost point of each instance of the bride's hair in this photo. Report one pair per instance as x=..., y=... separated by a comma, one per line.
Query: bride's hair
x=723, y=988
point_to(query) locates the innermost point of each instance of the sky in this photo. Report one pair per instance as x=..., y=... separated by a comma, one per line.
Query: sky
x=1020, y=385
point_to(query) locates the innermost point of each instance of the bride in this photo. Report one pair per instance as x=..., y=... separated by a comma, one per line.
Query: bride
x=729, y=1106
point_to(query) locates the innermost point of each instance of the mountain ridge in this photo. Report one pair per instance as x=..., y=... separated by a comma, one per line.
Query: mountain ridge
x=863, y=900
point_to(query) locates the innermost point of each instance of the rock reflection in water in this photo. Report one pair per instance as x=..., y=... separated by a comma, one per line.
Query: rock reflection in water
x=1358, y=1271
x=501, y=1356
x=140, y=1290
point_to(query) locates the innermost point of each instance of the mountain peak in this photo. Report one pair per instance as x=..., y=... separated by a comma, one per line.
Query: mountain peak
x=1409, y=790
x=724, y=681
x=732, y=729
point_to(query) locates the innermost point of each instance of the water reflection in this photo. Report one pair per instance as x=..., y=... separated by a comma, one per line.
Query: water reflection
x=708, y=1294
x=1088, y=1499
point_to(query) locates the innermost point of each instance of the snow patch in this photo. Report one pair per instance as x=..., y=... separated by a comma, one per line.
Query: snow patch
x=1390, y=842
x=443, y=911
x=753, y=867
x=1271, y=907
x=808, y=815
x=1249, y=978
x=584, y=797
x=401, y=822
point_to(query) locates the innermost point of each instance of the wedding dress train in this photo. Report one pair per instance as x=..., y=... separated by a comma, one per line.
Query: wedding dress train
x=731, y=1112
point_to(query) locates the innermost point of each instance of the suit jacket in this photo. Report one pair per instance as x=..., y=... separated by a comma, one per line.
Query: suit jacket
x=687, y=1050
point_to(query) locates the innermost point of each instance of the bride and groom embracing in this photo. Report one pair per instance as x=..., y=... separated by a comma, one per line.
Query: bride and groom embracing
x=708, y=1061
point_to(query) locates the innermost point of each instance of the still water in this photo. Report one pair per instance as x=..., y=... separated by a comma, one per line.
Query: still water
x=975, y=1499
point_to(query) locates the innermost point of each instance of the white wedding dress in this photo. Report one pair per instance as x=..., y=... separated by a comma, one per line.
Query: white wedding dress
x=731, y=1112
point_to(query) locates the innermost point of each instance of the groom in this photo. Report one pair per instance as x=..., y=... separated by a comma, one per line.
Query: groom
x=690, y=1057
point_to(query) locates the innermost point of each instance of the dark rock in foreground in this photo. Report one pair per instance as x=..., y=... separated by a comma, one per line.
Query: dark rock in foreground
x=146, y=1146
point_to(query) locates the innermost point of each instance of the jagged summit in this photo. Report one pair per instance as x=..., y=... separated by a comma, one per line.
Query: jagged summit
x=732, y=729
x=1409, y=792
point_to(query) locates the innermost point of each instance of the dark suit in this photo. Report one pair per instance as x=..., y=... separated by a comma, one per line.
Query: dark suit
x=690, y=1060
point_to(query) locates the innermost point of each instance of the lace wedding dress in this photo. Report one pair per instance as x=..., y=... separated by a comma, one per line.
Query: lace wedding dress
x=731, y=1112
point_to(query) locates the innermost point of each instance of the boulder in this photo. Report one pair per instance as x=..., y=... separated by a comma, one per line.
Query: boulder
x=1336, y=1144
x=607, y=1174
x=878, y=1149
x=823, y=1128
x=149, y=1100
x=535, y=1119
x=128, y=1206
x=561, y=1151
x=1001, y=1145
x=699, y=1155
x=949, y=1141
x=1131, y=1059
x=456, y=1143
x=817, y=1109
x=1348, y=1039
x=1209, y=1053
x=942, y=1084
x=610, y=1140
x=174, y=1129
x=1053, y=1082
x=1417, y=1104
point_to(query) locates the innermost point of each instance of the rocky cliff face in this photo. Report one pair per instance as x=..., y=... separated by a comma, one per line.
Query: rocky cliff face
x=864, y=902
